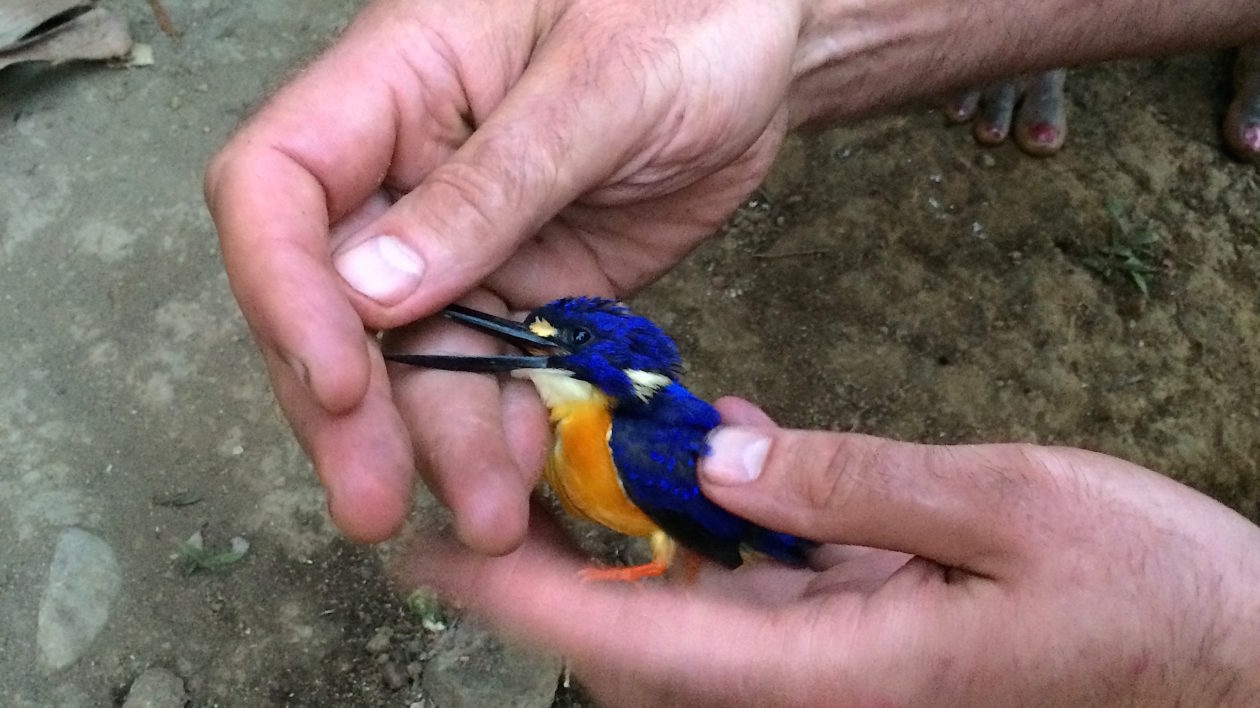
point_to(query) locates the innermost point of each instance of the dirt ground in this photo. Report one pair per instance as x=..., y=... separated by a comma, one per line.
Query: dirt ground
x=890, y=278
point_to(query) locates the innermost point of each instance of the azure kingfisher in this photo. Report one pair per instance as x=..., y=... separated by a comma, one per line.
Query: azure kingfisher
x=627, y=433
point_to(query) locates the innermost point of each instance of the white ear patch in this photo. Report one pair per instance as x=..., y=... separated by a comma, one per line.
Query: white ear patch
x=646, y=383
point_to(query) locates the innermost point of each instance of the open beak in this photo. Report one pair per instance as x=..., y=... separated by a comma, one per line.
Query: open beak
x=542, y=352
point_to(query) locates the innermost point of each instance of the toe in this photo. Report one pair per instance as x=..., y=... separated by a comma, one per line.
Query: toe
x=998, y=106
x=1041, y=124
x=1242, y=121
x=962, y=107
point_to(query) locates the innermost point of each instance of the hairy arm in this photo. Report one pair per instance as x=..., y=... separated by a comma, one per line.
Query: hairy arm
x=857, y=57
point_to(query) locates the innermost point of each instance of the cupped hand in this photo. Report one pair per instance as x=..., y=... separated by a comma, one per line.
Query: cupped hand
x=958, y=575
x=527, y=149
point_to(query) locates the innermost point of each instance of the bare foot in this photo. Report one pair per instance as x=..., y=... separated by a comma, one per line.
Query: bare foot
x=1039, y=120
x=1242, y=122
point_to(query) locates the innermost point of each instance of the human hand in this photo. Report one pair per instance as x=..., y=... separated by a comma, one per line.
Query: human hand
x=530, y=149
x=1016, y=575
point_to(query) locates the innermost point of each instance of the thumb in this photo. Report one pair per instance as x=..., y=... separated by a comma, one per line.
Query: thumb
x=971, y=507
x=534, y=155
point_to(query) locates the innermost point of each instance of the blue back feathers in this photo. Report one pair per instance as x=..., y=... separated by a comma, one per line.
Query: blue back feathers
x=655, y=449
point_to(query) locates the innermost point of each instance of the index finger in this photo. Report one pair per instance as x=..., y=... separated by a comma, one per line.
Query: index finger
x=273, y=226
x=312, y=155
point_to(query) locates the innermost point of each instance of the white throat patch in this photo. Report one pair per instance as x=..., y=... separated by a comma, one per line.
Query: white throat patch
x=557, y=387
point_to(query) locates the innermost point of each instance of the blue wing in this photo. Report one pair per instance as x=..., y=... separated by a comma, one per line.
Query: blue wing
x=654, y=448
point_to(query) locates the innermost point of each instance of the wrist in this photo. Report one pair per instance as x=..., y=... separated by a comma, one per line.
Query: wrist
x=837, y=59
x=857, y=57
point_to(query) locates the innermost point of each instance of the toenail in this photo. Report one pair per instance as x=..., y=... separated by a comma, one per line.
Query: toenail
x=1043, y=133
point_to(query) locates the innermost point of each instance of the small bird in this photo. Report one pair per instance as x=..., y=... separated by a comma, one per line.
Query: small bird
x=627, y=433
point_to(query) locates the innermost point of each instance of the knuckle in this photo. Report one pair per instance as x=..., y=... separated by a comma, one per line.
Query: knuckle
x=825, y=469
x=469, y=198
x=236, y=164
x=502, y=191
x=215, y=171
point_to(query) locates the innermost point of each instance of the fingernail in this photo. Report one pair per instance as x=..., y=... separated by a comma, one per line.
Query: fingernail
x=382, y=268
x=736, y=455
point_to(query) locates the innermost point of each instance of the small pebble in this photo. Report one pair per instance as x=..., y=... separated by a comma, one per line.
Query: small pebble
x=83, y=580
x=395, y=677
x=156, y=688
x=379, y=643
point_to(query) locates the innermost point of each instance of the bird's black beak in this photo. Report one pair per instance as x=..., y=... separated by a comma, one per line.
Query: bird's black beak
x=542, y=351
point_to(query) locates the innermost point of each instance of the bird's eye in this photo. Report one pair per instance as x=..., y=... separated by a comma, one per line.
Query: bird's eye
x=581, y=336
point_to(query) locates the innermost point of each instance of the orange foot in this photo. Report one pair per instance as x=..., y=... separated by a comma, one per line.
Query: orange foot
x=626, y=574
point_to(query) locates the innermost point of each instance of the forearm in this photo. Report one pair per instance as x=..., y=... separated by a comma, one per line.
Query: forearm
x=862, y=56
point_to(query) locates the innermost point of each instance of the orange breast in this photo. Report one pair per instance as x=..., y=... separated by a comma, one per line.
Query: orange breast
x=580, y=469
